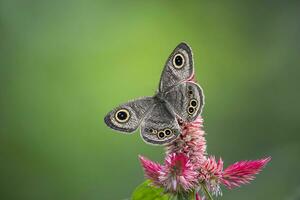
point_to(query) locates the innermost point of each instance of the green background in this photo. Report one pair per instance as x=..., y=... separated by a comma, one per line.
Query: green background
x=64, y=65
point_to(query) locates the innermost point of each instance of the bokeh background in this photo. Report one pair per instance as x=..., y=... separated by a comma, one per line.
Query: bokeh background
x=65, y=64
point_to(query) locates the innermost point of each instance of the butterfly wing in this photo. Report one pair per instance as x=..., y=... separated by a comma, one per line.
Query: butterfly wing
x=186, y=99
x=160, y=125
x=179, y=67
x=127, y=117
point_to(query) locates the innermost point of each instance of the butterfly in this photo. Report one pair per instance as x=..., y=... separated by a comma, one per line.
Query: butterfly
x=178, y=99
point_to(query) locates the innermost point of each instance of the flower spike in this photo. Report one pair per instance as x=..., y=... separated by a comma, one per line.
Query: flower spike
x=242, y=172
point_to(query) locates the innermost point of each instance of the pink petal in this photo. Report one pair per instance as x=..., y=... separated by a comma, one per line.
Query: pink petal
x=198, y=197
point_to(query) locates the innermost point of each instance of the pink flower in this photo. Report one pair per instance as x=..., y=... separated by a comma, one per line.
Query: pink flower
x=187, y=167
x=177, y=174
x=210, y=173
x=191, y=142
x=242, y=172
x=211, y=168
x=151, y=169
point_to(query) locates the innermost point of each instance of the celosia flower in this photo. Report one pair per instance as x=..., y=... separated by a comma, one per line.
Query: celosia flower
x=187, y=167
x=178, y=174
x=191, y=142
x=242, y=172
x=211, y=172
x=211, y=169
x=151, y=169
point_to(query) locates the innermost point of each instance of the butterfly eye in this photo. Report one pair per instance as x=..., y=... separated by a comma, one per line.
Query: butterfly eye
x=122, y=115
x=193, y=102
x=168, y=132
x=191, y=110
x=161, y=134
x=178, y=61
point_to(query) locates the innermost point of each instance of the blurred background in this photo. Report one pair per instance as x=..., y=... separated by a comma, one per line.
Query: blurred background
x=64, y=65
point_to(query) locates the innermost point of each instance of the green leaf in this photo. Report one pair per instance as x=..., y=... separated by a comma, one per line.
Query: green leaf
x=146, y=191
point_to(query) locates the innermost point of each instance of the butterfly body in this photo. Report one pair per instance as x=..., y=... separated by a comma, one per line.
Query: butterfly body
x=178, y=98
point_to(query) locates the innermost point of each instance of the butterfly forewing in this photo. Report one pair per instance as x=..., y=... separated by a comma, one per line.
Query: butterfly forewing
x=178, y=68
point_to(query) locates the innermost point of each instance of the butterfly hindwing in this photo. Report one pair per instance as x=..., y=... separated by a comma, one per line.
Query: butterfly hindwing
x=160, y=125
x=186, y=99
x=179, y=67
x=127, y=117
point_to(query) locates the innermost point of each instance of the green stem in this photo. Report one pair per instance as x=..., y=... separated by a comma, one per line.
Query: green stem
x=184, y=196
x=207, y=194
x=192, y=195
